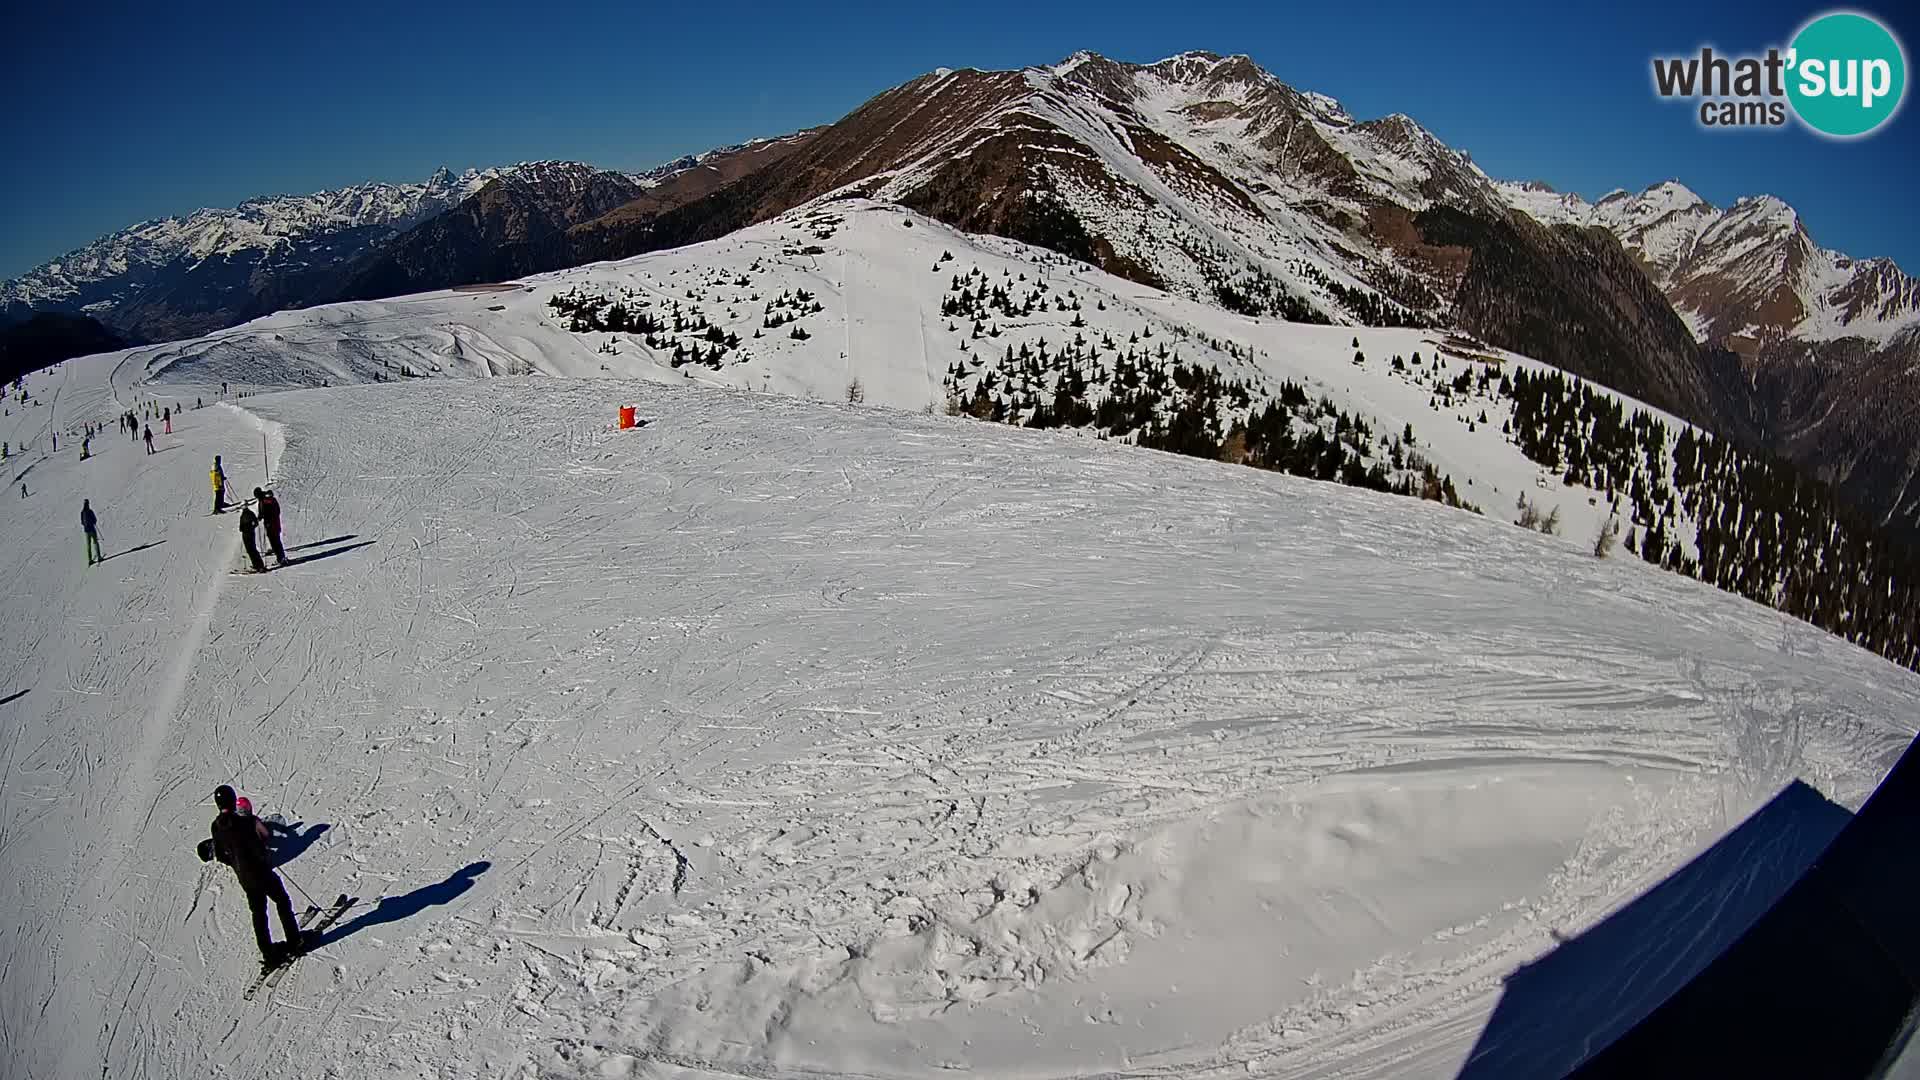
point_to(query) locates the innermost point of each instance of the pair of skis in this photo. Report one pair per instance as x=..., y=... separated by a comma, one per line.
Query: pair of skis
x=310, y=929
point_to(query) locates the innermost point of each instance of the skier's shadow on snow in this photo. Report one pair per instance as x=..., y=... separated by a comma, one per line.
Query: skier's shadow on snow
x=133, y=550
x=330, y=553
x=15, y=696
x=407, y=905
x=324, y=543
x=289, y=842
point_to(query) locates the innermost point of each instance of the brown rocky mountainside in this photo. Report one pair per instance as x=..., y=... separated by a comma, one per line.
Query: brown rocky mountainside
x=696, y=178
x=1207, y=176
x=1827, y=346
x=498, y=232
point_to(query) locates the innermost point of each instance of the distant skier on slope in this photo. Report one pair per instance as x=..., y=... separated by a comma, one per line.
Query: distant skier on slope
x=89, y=524
x=149, y=436
x=248, y=522
x=270, y=521
x=166, y=417
x=219, y=477
x=241, y=842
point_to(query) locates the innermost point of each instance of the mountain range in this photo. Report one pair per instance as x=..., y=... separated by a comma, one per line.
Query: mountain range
x=1203, y=175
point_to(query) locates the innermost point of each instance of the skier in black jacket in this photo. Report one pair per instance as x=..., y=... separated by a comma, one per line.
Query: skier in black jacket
x=248, y=523
x=270, y=522
x=240, y=842
x=90, y=525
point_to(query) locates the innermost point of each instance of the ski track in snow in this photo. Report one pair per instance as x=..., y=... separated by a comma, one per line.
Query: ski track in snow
x=805, y=739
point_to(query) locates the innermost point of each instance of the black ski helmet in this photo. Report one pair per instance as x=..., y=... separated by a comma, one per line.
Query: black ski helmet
x=223, y=797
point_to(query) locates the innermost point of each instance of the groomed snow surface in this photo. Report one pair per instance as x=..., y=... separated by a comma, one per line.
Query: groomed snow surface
x=784, y=738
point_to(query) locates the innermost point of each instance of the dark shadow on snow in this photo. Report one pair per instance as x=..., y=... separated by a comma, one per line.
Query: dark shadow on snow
x=395, y=908
x=324, y=543
x=288, y=842
x=131, y=550
x=1787, y=949
x=1590, y=990
x=330, y=553
x=1825, y=984
x=16, y=695
x=164, y=449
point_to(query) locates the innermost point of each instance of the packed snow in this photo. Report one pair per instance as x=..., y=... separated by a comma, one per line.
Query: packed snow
x=779, y=737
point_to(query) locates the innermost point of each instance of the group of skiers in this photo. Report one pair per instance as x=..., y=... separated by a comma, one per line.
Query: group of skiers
x=268, y=518
x=237, y=838
x=130, y=423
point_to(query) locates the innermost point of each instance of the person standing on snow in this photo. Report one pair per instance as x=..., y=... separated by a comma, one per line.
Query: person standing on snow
x=219, y=477
x=270, y=521
x=89, y=524
x=241, y=843
x=149, y=436
x=166, y=417
x=247, y=524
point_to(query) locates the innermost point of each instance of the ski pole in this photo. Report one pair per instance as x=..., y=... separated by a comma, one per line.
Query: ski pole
x=296, y=885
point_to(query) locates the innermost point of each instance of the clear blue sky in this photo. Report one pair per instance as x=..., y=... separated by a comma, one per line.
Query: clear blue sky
x=119, y=113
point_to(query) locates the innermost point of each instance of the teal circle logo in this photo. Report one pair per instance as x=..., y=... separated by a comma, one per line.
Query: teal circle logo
x=1847, y=74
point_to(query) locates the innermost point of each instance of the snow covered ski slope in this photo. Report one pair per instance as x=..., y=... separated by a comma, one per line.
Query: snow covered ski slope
x=851, y=290
x=787, y=738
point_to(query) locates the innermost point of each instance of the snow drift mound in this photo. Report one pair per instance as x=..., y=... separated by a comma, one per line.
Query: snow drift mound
x=782, y=738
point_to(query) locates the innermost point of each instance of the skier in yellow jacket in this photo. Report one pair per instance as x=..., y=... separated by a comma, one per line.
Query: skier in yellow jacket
x=219, y=477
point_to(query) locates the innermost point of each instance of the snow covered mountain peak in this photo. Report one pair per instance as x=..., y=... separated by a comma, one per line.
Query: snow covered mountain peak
x=1064, y=67
x=1744, y=275
x=1673, y=194
x=1200, y=67
x=109, y=272
x=1763, y=208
